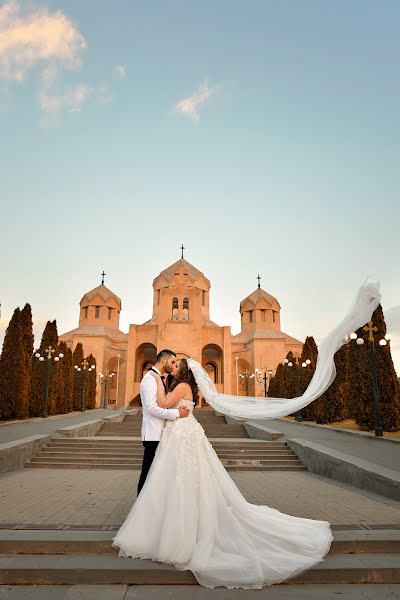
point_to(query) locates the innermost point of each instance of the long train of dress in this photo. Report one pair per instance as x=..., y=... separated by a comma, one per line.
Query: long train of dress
x=191, y=514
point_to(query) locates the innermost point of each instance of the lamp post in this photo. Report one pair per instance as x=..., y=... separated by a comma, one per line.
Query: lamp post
x=84, y=375
x=237, y=375
x=371, y=329
x=261, y=377
x=105, y=379
x=116, y=396
x=245, y=379
x=49, y=351
x=304, y=364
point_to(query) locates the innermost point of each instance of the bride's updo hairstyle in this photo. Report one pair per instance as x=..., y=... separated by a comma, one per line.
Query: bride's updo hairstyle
x=185, y=375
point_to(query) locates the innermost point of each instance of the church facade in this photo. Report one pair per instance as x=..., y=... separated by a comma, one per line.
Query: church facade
x=181, y=321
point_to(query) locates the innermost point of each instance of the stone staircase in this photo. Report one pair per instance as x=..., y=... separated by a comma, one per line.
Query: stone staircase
x=118, y=446
x=214, y=426
x=86, y=557
x=117, y=453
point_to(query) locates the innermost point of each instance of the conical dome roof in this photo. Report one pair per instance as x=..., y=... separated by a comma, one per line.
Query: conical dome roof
x=102, y=291
x=180, y=266
x=257, y=296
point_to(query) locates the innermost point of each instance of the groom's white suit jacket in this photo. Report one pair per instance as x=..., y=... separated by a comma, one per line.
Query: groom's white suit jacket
x=153, y=416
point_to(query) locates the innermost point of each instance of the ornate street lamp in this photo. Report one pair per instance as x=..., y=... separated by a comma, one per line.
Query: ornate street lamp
x=49, y=351
x=84, y=375
x=105, y=379
x=261, y=377
x=237, y=375
x=245, y=379
x=371, y=329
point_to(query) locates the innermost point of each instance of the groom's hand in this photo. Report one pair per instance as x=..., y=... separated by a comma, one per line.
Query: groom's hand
x=183, y=411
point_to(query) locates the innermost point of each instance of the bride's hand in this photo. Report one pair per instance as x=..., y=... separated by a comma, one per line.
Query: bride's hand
x=156, y=376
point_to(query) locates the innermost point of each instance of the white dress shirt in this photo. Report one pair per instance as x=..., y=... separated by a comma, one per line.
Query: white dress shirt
x=153, y=416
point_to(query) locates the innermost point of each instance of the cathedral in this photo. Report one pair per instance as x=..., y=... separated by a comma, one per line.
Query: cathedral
x=180, y=321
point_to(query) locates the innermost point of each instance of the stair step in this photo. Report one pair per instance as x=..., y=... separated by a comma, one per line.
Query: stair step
x=139, y=455
x=99, y=542
x=100, y=569
x=137, y=466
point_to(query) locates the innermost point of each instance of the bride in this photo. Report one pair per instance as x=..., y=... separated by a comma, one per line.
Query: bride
x=191, y=514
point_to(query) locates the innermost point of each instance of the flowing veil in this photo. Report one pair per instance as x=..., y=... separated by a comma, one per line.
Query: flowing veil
x=366, y=301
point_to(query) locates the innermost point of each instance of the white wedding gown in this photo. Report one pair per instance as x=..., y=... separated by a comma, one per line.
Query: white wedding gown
x=191, y=514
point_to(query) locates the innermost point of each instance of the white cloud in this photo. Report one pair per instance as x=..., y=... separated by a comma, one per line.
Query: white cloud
x=121, y=71
x=188, y=107
x=35, y=41
x=36, y=38
x=70, y=101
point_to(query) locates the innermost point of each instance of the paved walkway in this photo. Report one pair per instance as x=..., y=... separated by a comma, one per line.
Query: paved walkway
x=101, y=499
x=182, y=592
x=10, y=432
x=374, y=450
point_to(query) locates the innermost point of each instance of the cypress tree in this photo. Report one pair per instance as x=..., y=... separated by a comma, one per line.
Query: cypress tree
x=283, y=384
x=67, y=377
x=310, y=352
x=27, y=329
x=39, y=373
x=361, y=383
x=77, y=359
x=14, y=372
x=57, y=379
x=28, y=339
x=91, y=384
x=332, y=405
x=289, y=387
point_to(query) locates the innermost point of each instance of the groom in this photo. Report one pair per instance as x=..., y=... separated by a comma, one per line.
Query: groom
x=153, y=416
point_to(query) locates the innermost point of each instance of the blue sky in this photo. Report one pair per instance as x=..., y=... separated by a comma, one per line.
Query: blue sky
x=262, y=135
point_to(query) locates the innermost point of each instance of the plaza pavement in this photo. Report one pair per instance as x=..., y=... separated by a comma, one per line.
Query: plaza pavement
x=375, y=450
x=98, y=499
x=182, y=592
x=16, y=430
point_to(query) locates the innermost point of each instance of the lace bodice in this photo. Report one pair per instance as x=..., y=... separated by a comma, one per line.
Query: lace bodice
x=183, y=402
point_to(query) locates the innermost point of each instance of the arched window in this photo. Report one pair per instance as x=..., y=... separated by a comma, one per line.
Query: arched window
x=175, y=314
x=211, y=369
x=109, y=313
x=97, y=312
x=146, y=367
x=86, y=312
x=185, y=312
x=250, y=316
x=212, y=360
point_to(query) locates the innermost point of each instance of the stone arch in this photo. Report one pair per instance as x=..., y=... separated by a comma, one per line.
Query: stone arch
x=145, y=354
x=243, y=366
x=212, y=369
x=112, y=366
x=185, y=309
x=212, y=354
x=175, y=309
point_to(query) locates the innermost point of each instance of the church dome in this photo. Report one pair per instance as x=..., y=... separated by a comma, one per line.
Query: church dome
x=260, y=310
x=259, y=296
x=178, y=274
x=100, y=307
x=102, y=292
